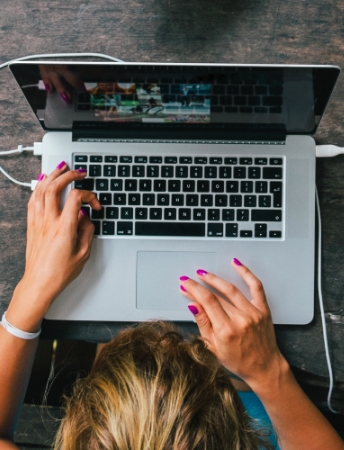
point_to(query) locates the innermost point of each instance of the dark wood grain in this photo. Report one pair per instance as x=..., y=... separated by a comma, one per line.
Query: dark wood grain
x=240, y=31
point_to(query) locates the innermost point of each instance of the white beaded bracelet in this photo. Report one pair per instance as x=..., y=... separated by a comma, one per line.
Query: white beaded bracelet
x=16, y=331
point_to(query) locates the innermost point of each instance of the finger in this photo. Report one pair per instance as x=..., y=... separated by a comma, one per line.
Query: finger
x=208, y=300
x=45, y=78
x=85, y=237
x=228, y=290
x=59, y=85
x=73, y=79
x=254, y=284
x=73, y=204
x=203, y=323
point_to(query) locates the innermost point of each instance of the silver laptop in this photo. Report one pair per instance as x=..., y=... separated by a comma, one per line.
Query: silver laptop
x=194, y=164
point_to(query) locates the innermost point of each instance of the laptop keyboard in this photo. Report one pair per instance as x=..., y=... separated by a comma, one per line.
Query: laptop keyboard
x=214, y=197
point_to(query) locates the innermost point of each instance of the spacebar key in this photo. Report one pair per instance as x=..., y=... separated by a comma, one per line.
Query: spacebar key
x=169, y=229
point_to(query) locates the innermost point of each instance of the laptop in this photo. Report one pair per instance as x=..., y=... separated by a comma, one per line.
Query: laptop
x=194, y=164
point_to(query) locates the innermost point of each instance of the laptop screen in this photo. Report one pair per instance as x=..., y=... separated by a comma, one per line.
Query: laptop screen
x=189, y=99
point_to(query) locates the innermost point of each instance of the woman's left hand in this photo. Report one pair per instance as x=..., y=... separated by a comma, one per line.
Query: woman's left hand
x=58, y=246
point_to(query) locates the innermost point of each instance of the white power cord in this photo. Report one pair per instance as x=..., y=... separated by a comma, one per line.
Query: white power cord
x=328, y=151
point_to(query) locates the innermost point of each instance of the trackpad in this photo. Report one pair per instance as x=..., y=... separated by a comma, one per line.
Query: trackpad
x=157, y=280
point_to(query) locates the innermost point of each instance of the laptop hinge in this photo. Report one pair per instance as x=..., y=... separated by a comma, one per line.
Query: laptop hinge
x=151, y=133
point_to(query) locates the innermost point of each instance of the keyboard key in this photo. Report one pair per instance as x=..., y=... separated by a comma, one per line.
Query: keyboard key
x=125, y=159
x=246, y=233
x=97, y=214
x=80, y=166
x=188, y=186
x=260, y=230
x=145, y=185
x=112, y=213
x=250, y=201
x=216, y=160
x=134, y=199
x=167, y=171
x=102, y=185
x=170, y=214
x=155, y=213
x=80, y=158
x=221, y=200
x=105, y=199
x=152, y=171
x=217, y=186
x=196, y=172
x=140, y=159
x=231, y=161
x=185, y=160
x=227, y=215
x=127, y=213
x=213, y=214
x=94, y=170
x=254, y=172
x=261, y=161
x=120, y=199
x=96, y=158
x=163, y=199
x=109, y=171
x=215, y=230
x=239, y=172
x=246, y=186
x=110, y=159
x=130, y=185
x=264, y=201
x=148, y=199
x=202, y=186
x=185, y=214
x=225, y=172
x=201, y=160
x=231, y=230
x=191, y=200
x=108, y=228
x=190, y=229
x=87, y=184
x=276, y=190
x=123, y=171
x=235, y=200
x=159, y=185
x=116, y=185
x=261, y=187
x=173, y=186
x=242, y=215
x=210, y=172
x=138, y=171
x=266, y=215
x=124, y=228
x=275, y=234
x=182, y=171
x=270, y=173
x=199, y=214
x=246, y=161
x=170, y=160
x=155, y=159
x=177, y=200
x=141, y=213
x=206, y=200
x=232, y=186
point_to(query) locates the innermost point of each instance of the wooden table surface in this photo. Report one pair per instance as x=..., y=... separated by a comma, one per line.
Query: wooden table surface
x=227, y=31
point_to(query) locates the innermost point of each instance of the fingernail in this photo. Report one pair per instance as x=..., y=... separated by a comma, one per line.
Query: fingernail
x=59, y=166
x=201, y=272
x=80, y=170
x=47, y=87
x=40, y=177
x=65, y=97
x=237, y=262
x=183, y=288
x=193, y=309
x=84, y=212
x=183, y=278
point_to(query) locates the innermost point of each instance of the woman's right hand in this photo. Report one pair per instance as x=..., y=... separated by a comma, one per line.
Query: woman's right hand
x=238, y=331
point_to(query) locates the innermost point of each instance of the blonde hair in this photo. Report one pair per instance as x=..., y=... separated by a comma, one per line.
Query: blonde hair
x=151, y=389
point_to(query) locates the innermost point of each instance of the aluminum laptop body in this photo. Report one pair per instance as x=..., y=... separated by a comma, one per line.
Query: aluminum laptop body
x=236, y=138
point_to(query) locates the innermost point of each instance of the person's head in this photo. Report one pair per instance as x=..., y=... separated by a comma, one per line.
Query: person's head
x=150, y=389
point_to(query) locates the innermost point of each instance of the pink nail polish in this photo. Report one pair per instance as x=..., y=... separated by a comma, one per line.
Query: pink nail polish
x=47, y=87
x=80, y=170
x=40, y=177
x=83, y=212
x=65, y=97
x=183, y=288
x=62, y=164
x=193, y=309
x=201, y=272
x=237, y=262
x=183, y=278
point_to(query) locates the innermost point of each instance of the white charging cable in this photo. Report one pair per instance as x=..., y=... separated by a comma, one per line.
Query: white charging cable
x=328, y=151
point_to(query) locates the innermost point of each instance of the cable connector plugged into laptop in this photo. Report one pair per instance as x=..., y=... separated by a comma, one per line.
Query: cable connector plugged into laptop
x=37, y=148
x=328, y=151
